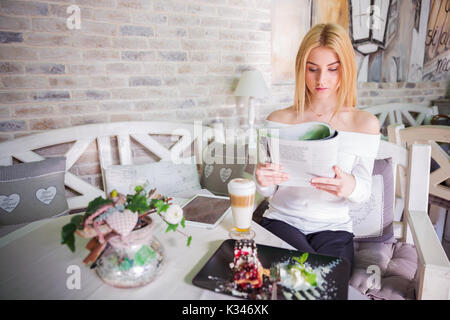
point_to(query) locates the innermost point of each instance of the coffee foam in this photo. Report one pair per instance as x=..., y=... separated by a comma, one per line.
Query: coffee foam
x=241, y=187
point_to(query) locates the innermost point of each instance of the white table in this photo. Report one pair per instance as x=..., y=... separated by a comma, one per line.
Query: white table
x=34, y=265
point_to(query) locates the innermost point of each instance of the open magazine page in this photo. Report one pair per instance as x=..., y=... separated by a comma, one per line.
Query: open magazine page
x=301, y=159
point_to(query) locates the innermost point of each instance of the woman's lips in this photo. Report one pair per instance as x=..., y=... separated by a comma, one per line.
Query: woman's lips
x=321, y=89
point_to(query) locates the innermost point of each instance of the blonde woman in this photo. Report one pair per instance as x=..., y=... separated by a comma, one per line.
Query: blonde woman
x=316, y=219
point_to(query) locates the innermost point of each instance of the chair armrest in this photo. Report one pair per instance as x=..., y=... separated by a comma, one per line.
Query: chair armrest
x=434, y=267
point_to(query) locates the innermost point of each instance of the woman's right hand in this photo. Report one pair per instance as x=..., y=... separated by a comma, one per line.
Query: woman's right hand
x=268, y=174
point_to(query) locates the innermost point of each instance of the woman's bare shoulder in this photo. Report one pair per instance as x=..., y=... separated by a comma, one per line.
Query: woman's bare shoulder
x=281, y=115
x=365, y=122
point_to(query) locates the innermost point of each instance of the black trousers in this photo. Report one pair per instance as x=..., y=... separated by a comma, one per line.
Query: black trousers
x=330, y=243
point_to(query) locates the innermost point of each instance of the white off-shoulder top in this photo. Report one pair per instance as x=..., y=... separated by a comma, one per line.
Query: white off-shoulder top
x=311, y=210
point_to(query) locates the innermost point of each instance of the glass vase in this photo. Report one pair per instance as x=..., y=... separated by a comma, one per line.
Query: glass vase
x=132, y=261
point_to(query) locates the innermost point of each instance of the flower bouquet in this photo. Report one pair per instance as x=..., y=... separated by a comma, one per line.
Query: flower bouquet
x=122, y=247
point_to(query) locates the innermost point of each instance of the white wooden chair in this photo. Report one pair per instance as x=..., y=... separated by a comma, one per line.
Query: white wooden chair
x=440, y=178
x=433, y=272
x=414, y=184
x=23, y=149
x=401, y=113
x=432, y=135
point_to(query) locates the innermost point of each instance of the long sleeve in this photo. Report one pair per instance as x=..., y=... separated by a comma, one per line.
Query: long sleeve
x=364, y=147
x=265, y=191
x=362, y=172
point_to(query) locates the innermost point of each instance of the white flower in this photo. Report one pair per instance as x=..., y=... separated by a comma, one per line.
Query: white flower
x=174, y=214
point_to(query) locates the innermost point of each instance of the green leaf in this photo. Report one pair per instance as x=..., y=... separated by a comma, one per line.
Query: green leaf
x=310, y=277
x=78, y=221
x=68, y=235
x=183, y=222
x=155, y=203
x=189, y=241
x=95, y=204
x=139, y=189
x=302, y=258
x=137, y=203
x=172, y=227
x=162, y=208
x=159, y=204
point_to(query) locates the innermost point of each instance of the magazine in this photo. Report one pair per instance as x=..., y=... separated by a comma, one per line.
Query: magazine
x=305, y=151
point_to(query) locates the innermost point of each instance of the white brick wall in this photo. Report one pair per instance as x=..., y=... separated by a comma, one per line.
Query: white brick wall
x=131, y=59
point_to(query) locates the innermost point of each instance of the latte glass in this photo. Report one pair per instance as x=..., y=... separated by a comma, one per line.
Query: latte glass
x=242, y=197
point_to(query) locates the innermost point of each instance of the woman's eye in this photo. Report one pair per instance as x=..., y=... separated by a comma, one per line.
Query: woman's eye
x=312, y=70
x=332, y=70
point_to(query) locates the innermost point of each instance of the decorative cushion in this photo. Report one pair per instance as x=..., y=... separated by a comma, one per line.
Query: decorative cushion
x=373, y=219
x=32, y=191
x=219, y=168
x=397, y=267
x=170, y=179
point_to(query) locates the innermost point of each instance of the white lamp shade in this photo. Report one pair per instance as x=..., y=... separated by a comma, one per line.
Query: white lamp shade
x=252, y=84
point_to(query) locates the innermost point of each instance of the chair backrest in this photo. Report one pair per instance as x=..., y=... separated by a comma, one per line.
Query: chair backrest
x=438, y=137
x=400, y=160
x=113, y=144
x=403, y=113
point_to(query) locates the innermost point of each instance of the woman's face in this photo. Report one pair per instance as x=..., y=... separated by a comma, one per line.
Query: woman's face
x=322, y=73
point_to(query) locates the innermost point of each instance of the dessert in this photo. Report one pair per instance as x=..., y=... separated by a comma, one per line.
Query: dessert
x=298, y=275
x=247, y=269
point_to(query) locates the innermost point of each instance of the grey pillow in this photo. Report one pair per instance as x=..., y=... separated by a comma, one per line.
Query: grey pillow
x=32, y=191
x=219, y=168
x=398, y=266
x=373, y=219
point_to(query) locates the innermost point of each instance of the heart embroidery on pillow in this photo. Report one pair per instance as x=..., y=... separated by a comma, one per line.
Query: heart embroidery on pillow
x=123, y=222
x=225, y=174
x=208, y=170
x=9, y=203
x=46, y=195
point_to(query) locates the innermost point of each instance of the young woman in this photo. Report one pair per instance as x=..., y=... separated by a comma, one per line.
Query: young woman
x=316, y=219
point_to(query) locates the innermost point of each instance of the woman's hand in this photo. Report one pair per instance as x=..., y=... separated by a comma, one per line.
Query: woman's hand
x=342, y=185
x=268, y=174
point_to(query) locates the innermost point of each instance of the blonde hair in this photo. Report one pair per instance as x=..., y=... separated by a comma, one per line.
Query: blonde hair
x=335, y=37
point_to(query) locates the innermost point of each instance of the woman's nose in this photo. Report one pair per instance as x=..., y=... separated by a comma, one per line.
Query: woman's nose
x=321, y=77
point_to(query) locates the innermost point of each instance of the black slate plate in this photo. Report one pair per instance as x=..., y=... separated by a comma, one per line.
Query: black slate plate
x=216, y=273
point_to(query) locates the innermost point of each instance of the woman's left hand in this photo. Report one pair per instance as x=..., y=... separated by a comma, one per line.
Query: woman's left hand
x=342, y=185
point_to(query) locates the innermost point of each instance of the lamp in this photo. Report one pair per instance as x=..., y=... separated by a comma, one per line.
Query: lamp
x=251, y=85
x=369, y=21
